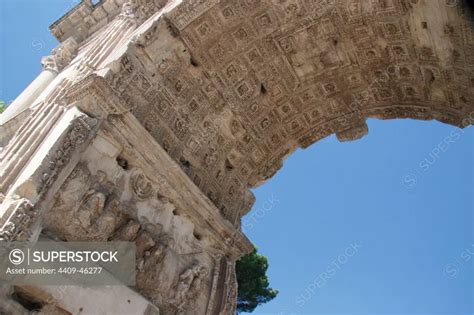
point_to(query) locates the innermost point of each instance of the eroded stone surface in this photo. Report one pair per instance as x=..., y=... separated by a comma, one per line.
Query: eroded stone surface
x=230, y=88
x=161, y=115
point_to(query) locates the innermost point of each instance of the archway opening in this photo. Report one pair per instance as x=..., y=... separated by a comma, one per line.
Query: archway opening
x=380, y=225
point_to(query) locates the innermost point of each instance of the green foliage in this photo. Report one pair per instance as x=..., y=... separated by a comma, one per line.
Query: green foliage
x=253, y=282
x=2, y=106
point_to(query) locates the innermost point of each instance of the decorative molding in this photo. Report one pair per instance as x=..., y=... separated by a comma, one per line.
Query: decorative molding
x=18, y=226
x=78, y=133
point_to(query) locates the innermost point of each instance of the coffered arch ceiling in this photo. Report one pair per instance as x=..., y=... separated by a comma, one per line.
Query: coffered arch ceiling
x=230, y=88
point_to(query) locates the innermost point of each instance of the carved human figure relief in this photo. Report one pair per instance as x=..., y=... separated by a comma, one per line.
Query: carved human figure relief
x=188, y=285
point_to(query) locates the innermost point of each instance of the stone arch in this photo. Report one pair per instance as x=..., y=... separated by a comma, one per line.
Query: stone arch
x=231, y=88
x=227, y=89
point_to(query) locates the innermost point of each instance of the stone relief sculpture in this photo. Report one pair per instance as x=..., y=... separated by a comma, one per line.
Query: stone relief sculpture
x=101, y=216
x=17, y=226
x=188, y=285
x=141, y=186
x=75, y=137
x=159, y=116
x=91, y=208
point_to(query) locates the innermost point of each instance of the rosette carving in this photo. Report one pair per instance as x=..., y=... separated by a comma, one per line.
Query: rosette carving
x=141, y=186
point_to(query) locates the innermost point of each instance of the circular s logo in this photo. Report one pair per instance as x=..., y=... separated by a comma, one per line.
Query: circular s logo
x=451, y=270
x=16, y=256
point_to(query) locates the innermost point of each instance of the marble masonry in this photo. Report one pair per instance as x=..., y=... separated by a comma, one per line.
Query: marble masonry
x=152, y=119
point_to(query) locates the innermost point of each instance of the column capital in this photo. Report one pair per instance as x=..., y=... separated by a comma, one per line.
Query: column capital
x=60, y=56
x=139, y=10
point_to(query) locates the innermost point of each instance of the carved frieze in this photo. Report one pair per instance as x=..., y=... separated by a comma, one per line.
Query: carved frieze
x=77, y=135
x=18, y=226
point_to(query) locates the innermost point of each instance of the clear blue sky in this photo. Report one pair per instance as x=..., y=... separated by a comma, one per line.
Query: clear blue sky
x=383, y=225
